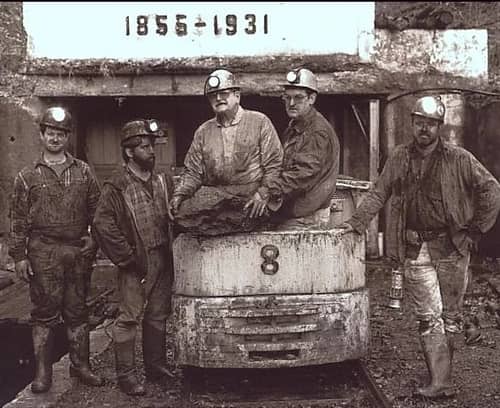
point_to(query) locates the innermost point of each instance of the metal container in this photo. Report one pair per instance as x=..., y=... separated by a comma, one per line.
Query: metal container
x=270, y=299
x=396, y=290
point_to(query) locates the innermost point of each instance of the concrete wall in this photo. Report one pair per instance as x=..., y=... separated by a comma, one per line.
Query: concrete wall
x=20, y=145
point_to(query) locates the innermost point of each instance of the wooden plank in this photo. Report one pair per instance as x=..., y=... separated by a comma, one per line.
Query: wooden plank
x=372, y=249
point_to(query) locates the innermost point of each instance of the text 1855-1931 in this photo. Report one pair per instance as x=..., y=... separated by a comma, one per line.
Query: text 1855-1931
x=162, y=25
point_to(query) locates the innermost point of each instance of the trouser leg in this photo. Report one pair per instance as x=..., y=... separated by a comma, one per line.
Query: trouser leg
x=46, y=293
x=77, y=282
x=130, y=308
x=453, y=279
x=154, y=323
x=423, y=287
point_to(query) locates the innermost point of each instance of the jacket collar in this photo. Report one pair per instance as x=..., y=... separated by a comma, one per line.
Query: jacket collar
x=414, y=152
x=41, y=162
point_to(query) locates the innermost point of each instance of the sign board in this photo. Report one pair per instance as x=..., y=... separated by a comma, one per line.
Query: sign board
x=142, y=30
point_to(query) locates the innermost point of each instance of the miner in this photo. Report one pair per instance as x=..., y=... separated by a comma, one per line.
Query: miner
x=132, y=227
x=443, y=200
x=53, y=205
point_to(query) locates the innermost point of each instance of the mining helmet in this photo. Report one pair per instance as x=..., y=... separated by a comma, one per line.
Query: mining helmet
x=141, y=127
x=219, y=80
x=301, y=78
x=58, y=118
x=430, y=107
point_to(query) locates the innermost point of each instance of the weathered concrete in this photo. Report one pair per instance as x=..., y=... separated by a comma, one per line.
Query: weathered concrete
x=19, y=136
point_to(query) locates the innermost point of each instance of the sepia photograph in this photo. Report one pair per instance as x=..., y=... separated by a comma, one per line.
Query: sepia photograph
x=249, y=204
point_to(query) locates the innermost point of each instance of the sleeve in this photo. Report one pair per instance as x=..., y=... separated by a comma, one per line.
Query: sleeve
x=192, y=177
x=307, y=163
x=19, y=219
x=93, y=193
x=107, y=230
x=376, y=198
x=487, y=198
x=271, y=155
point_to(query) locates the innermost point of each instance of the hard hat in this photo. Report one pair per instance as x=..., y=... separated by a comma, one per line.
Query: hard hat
x=301, y=78
x=219, y=80
x=141, y=127
x=429, y=107
x=58, y=118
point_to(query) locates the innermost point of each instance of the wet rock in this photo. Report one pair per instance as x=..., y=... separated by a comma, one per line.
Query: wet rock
x=218, y=210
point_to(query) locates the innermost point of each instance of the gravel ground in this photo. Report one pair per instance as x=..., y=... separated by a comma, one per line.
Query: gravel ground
x=395, y=359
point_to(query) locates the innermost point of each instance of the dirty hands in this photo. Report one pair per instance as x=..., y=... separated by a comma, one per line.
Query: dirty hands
x=23, y=270
x=257, y=205
x=345, y=228
x=89, y=246
x=174, y=206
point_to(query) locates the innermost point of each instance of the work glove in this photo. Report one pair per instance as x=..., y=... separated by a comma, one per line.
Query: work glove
x=23, y=270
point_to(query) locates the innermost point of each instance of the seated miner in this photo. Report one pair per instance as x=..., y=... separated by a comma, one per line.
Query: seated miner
x=229, y=166
x=311, y=158
x=133, y=229
x=443, y=200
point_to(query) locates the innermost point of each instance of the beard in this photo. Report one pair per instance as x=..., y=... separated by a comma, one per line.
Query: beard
x=145, y=164
x=425, y=139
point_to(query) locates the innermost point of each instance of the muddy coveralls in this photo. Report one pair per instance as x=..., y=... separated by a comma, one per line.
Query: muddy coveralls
x=310, y=169
x=246, y=152
x=437, y=216
x=49, y=216
x=131, y=226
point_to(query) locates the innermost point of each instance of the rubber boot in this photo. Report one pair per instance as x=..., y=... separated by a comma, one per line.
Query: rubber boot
x=43, y=340
x=155, y=353
x=438, y=359
x=78, y=339
x=125, y=368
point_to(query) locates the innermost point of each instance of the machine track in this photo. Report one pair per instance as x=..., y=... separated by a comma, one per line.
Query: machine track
x=347, y=384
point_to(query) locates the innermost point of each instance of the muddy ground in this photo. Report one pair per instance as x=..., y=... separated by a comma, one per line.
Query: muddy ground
x=395, y=360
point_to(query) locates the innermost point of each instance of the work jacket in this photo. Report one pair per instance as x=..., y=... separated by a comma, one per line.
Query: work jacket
x=470, y=196
x=256, y=156
x=45, y=204
x=117, y=223
x=310, y=166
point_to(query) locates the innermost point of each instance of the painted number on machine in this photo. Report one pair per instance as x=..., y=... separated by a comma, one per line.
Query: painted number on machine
x=178, y=24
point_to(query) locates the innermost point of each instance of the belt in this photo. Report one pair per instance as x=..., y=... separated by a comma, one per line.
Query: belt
x=417, y=237
x=50, y=240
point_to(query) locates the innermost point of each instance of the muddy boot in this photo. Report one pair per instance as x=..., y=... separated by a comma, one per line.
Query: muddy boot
x=125, y=368
x=155, y=353
x=43, y=339
x=438, y=359
x=78, y=339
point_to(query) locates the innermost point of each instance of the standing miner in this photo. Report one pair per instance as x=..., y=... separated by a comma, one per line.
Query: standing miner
x=236, y=147
x=52, y=208
x=132, y=228
x=311, y=157
x=443, y=199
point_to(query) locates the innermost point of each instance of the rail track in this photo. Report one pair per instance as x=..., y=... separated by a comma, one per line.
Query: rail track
x=347, y=384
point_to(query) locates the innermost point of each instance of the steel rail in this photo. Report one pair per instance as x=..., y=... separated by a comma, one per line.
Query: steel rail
x=366, y=378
